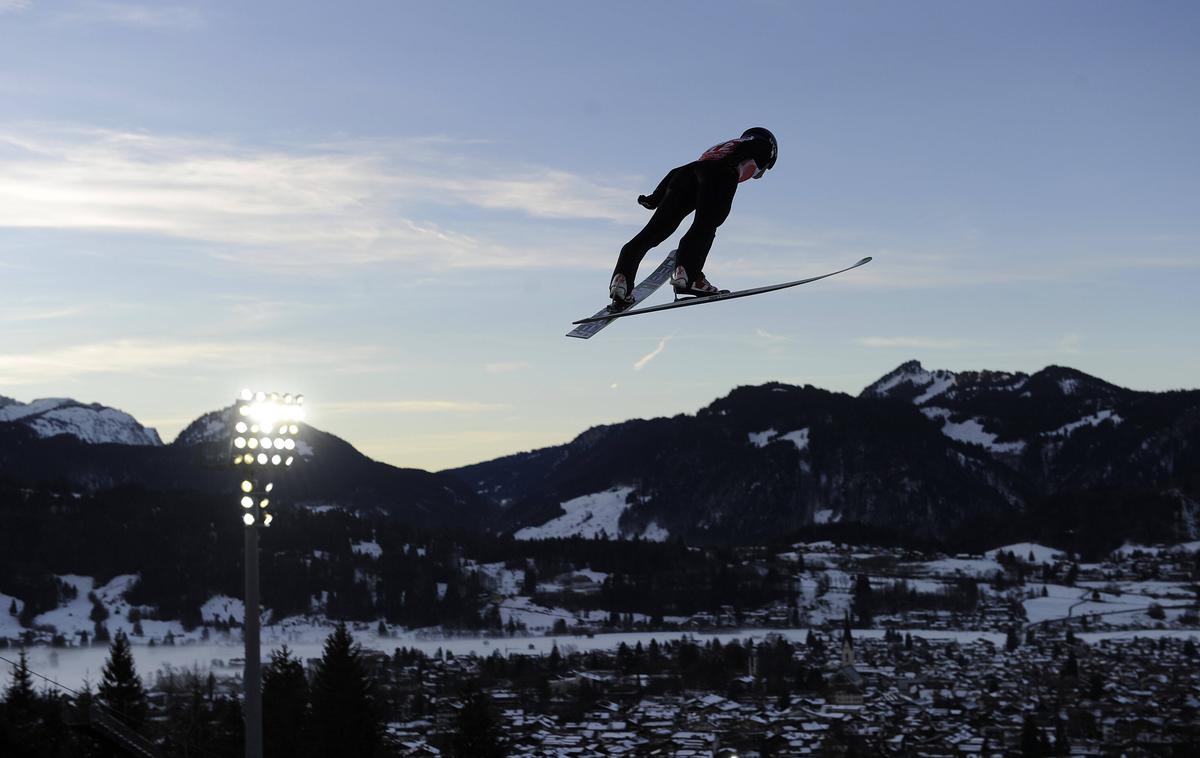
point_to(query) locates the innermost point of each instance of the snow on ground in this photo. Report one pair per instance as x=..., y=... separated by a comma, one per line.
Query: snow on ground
x=1093, y=420
x=222, y=607
x=1056, y=605
x=1129, y=548
x=1149, y=588
x=367, y=548
x=979, y=567
x=72, y=666
x=1135, y=599
x=799, y=438
x=655, y=533
x=536, y=618
x=50, y=417
x=920, y=377
x=507, y=581
x=972, y=432
x=588, y=516
x=1041, y=553
x=596, y=576
x=18, y=410
x=72, y=617
x=939, y=384
x=762, y=439
x=10, y=627
x=920, y=585
x=94, y=426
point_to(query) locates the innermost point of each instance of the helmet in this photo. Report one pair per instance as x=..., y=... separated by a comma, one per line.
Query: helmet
x=759, y=132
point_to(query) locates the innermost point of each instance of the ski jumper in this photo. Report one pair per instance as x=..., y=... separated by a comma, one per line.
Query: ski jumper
x=706, y=186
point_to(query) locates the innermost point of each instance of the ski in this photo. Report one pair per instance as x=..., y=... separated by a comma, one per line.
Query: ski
x=726, y=295
x=645, y=288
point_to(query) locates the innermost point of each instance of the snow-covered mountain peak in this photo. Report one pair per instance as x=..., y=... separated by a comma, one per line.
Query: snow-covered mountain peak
x=912, y=381
x=89, y=422
x=1069, y=382
x=213, y=426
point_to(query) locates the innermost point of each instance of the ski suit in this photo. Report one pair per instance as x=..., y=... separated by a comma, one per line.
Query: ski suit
x=706, y=186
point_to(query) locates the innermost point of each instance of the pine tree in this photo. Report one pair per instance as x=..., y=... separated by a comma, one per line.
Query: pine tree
x=344, y=716
x=20, y=696
x=478, y=730
x=285, y=705
x=188, y=722
x=120, y=686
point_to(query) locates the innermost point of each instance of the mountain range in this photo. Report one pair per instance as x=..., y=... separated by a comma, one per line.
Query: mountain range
x=95, y=448
x=951, y=456
x=962, y=456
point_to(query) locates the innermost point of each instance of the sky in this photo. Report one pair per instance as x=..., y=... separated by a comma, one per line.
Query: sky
x=398, y=208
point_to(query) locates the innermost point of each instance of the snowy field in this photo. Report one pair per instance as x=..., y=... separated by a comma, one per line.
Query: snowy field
x=73, y=666
x=591, y=516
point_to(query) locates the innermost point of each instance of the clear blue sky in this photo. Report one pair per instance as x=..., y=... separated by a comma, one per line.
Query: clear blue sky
x=397, y=208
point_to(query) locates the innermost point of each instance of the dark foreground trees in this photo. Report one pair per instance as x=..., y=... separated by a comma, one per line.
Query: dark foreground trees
x=338, y=714
x=285, y=706
x=345, y=714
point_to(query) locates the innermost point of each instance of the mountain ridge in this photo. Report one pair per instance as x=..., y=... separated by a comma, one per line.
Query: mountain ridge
x=89, y=422
x=937, y=453
x=934, y=453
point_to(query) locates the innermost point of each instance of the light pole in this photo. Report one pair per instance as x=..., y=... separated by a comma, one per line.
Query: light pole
x=264, y=439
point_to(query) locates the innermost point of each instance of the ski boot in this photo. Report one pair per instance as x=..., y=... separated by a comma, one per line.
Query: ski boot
x=700, y=287
x=618, y=291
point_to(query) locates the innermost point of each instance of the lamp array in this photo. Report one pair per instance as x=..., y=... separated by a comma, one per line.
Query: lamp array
x=265, y=434
x=252, y=498
x=266, y=428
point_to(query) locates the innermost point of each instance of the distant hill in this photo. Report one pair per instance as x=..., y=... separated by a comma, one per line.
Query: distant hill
x=87, y=422
x=330, y=470
x=932, y=453
x=968, y=458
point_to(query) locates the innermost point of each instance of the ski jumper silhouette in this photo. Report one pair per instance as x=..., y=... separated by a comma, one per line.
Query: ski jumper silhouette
x=706, y=186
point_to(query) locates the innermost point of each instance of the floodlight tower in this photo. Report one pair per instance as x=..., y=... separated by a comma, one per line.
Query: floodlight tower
x=264, y=439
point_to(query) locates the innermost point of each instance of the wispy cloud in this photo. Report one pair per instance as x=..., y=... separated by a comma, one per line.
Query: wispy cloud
x=645, y=359
x=13, y=6
x=150, y=357
x=919, y=343
x=775, y=344
x=411, y=406
x=544, y=193
x=127, y=356
x=319, y=205
x=136, y=15
x=38, y=314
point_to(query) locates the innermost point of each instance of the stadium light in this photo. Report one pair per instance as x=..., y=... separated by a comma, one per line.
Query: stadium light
x=265, y=422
